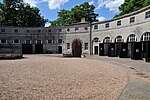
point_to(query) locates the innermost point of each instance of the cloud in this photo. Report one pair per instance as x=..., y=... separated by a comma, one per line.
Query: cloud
x=47, y=24
x=56, y=4
x=101, y=18
x=91, y=3
x=53, y=4
x=112, y=5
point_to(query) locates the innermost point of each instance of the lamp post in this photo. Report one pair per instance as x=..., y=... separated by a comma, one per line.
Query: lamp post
x=91, y=18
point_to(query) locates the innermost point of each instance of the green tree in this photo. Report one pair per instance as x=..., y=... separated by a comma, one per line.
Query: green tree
x=17, y=13
x=74, y=15
x=132, y=5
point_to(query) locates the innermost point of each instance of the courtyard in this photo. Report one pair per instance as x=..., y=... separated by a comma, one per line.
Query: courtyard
x=52, y=77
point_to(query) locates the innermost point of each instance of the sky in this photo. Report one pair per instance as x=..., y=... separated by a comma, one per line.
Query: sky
x=106, y=9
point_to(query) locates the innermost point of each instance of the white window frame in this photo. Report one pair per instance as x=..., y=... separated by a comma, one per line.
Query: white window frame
x=37, y=42
x=18, y=41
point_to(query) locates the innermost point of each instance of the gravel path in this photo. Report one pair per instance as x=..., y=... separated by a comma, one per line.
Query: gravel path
x=46, y=77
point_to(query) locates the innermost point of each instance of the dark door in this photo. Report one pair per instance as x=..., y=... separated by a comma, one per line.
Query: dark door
x=59, y=49
x=111, y=50
x=136, y=50
x=106, y=48
x=76, y=48
x=101, y=49
x=144, y=48
x=39, y=48
x=148, y=51
x=118, y=48
x=27, y=48
x=96, y=50
x=123, y=50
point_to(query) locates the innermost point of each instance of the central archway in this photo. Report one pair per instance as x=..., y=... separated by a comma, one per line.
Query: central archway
x=76, y=48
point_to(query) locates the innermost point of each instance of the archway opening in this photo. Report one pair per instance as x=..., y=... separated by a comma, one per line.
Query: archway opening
x=76, y=48
x=107, y=42
x=118, y=43
x=145, y=39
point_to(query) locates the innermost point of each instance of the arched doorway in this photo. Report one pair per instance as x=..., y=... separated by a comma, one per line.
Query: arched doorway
x=145, y=39
x=76, y=48
x=118, y=43
x=95, y=41
x=107, y=42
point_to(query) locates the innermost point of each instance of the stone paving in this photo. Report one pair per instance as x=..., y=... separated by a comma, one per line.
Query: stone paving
x=138, y=86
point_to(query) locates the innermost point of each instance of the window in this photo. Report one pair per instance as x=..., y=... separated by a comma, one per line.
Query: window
x=95, y=26
x=132, y=38
x=146, y=36
x=38, y=41
x=119, y=23
x=106, y=25
x=107, y=40
x=85, y=46
x=119, y=39
x=68, y=45
x=2, y=30
x=16, y=41
x=96, y=39
x=76, y=28
x=68, y=29
x=49, y=41
x=49, y=30
x=147, y=14
x=60, y=41
x=59, y=30
x=86, y=28
x=28, y=41
x=27, y=31
x=16, y=30
x=38, y=31
x=132, y=19
x=3, y=41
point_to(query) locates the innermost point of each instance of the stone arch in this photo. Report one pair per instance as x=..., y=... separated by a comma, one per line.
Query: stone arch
x=76, y=48
x=119, y=38
x=96, y=39
x=132, y=38
x=107, y=40
x=145, y=36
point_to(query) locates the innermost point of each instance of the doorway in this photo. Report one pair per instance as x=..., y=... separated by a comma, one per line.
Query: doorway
x=76, y=48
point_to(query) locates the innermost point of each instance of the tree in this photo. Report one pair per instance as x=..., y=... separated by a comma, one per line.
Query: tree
x=17, y=13
x=74, y=15
x=132, y=5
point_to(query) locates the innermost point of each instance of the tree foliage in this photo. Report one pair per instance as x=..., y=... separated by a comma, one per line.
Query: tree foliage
x=74, y=15
x=17, y=13
x=132, y=5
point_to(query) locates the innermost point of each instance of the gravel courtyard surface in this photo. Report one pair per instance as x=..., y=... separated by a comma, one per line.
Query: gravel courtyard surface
x=50, y=77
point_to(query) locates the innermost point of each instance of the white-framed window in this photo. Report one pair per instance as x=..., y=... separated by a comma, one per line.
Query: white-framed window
x=119, y=23
x=107, y=25
x=107, y=40
x=27, y=41
x=16, y=41
x=146, y=36
x=132, y=19
x=3, y=41
x=119, y=39
x=38, y=41
x=132, y=38
x=85, y=46
x=95, y=26
x=147, y=14
x=76, y=28
x=96, y=39
x=68, y=45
